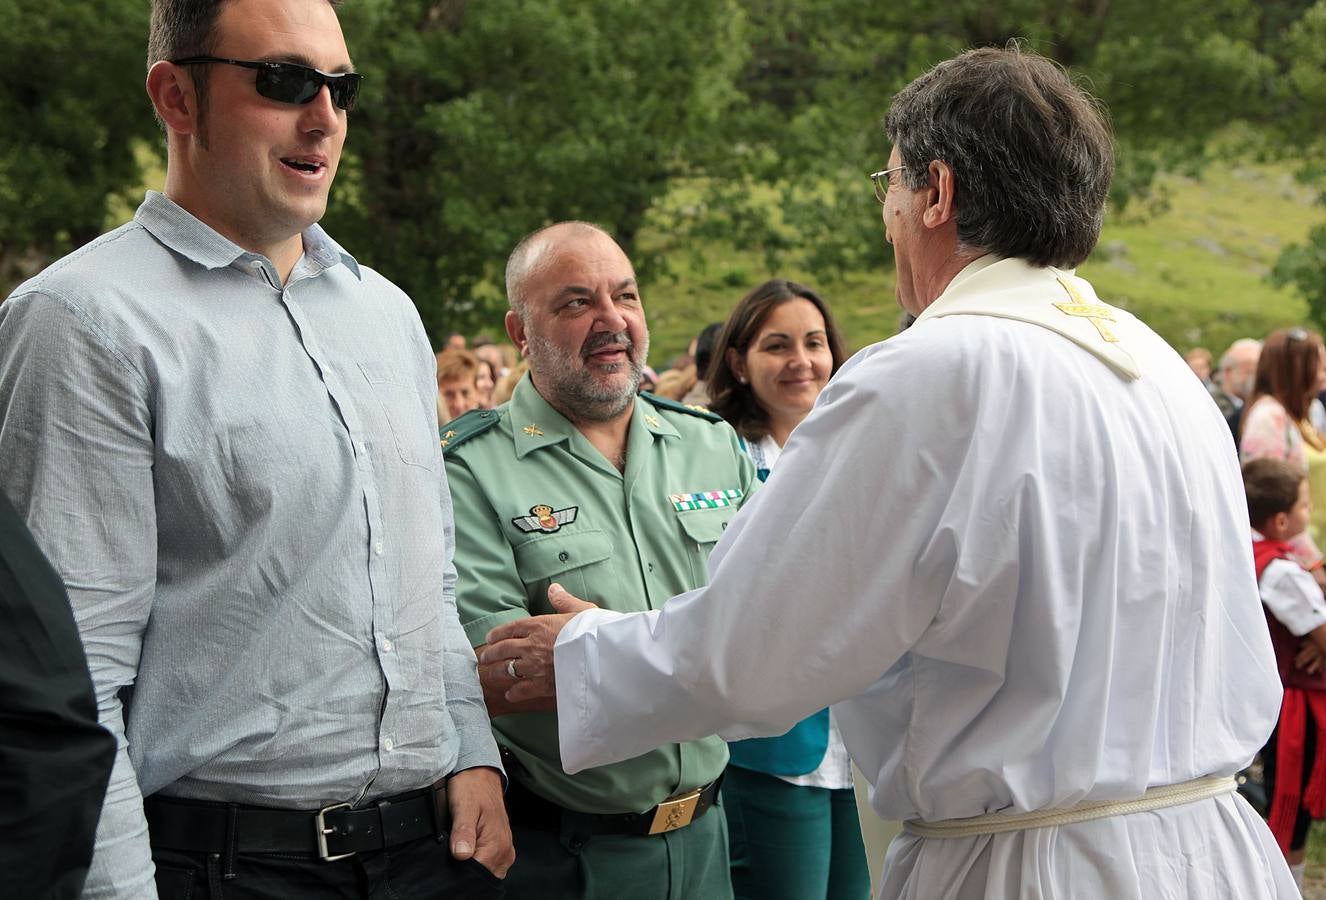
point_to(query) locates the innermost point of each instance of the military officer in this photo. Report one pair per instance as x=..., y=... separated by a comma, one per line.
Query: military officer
x=619, y=497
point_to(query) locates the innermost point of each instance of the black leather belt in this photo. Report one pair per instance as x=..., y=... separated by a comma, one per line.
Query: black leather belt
x=529, y=809
x=333, y=832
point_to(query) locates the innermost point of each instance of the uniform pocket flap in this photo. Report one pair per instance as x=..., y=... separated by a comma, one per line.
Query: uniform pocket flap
x=705, y=526
x=544, y=557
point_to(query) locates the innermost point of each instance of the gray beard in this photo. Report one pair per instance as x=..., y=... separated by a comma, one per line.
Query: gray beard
x=569, y=387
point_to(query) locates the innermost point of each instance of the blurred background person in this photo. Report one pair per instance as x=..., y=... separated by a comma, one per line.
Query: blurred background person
x=506, y=385
x=1234, y=379
x=485, y=381
x=792, y=820
x=457, y=377
x=1199, y=360
x=488, y=350
x=675, y=383
x=704, y=343
x=1275, y=422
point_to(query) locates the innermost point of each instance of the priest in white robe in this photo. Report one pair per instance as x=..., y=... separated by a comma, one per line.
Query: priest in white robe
x=1010, y=546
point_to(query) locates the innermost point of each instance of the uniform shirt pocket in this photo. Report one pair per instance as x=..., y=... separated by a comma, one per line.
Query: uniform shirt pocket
x=579, y=562
x=705, y=526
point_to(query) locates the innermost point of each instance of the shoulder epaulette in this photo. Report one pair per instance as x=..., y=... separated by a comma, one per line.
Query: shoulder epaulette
x=688, y=408
x=461, y=429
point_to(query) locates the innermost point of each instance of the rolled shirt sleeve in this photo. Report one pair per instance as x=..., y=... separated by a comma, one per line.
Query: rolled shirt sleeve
x=1293, y=597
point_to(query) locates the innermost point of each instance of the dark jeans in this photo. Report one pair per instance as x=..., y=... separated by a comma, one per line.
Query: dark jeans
x=417, y=870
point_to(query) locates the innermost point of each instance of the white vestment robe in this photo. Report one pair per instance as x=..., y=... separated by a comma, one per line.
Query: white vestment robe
x=1010, y=546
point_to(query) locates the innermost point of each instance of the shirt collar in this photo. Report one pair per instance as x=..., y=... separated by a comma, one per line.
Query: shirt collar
x=536, y=424
x=184, y=233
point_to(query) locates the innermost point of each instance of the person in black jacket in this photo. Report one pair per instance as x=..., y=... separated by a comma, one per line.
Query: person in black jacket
x=55, y=760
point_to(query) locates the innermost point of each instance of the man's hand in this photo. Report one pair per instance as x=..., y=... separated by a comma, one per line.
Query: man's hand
x=523, y=649
x=479, y=827
x=1309, y=658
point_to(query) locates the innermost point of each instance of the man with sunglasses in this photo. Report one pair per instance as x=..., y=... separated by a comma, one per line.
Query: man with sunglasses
x=222, y=428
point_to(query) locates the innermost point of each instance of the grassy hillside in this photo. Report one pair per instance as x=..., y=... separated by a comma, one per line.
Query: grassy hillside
x=1194, y=271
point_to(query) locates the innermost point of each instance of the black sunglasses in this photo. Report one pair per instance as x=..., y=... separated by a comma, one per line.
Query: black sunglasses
x=290, y=82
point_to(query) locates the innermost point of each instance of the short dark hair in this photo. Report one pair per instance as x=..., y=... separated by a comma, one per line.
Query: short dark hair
x=1272, y=486
x=1031, y=152
x=181, y=28
x=728, y=397
x=704, y=348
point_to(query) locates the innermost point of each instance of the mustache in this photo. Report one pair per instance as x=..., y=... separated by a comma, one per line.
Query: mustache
x=597, y=342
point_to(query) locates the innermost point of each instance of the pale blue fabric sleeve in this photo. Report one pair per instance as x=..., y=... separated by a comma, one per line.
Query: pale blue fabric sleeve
x=76, y=445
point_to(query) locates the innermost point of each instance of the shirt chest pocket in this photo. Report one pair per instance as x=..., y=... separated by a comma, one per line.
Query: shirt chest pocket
x=703, y=528
x=706, y=526
x=579, y=562
x=408, y=424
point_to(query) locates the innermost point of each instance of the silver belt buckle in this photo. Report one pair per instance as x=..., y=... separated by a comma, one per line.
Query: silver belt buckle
x=320, y=826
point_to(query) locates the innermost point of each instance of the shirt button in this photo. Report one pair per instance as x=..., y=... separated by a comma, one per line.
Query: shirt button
x=563, y=556
x=361, y=447
x=377, y=548
x=651, y=567
x=388, y=744
x=385, y=645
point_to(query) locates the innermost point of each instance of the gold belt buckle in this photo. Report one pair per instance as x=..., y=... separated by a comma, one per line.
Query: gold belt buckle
x=675, y=813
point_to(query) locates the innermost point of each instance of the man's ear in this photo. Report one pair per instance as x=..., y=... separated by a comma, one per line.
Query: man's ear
x=171, y=92
x=515, y=329
x=941, y=195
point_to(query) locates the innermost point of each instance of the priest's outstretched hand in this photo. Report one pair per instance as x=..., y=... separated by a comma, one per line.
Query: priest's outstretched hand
x=525, y=646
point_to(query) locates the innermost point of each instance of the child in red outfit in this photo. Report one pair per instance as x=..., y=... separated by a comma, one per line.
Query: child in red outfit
x=1294, y=758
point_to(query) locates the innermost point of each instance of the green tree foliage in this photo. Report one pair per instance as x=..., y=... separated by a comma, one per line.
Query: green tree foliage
x=1298, y=132
x=483, y=121
x=691, y=122
x=74, y=109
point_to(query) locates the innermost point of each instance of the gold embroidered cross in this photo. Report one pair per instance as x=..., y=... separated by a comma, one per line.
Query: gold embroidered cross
x=1094, y=313
x=533, y=430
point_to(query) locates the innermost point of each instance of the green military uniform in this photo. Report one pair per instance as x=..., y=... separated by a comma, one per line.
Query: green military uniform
x=535, y=503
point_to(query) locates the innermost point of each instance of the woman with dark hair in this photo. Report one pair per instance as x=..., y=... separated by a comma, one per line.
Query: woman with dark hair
x=792, y=818
x=1276, y=422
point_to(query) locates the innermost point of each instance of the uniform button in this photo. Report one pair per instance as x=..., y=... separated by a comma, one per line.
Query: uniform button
x=363, y=448
x=377, y=548
x=388, y=744
x=256, y=263
x=651, y=567
x=563, y=556
x=385, y=645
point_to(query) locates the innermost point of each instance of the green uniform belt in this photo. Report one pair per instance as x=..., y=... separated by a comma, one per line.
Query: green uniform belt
x=526, y=808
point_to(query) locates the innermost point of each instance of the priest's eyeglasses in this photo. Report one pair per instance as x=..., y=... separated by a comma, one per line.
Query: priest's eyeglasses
x=881, y=180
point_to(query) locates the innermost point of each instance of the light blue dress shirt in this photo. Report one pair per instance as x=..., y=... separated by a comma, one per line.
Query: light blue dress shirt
x=241, y=485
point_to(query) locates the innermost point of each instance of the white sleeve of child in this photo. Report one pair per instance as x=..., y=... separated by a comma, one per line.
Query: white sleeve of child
x=1293, y=596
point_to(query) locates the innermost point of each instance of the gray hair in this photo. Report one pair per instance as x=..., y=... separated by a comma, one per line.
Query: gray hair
x=531, y=254
x=1227, y=358
x=1031, y=152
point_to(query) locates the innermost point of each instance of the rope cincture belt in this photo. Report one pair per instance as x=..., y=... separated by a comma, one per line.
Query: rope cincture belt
x=999, y=823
